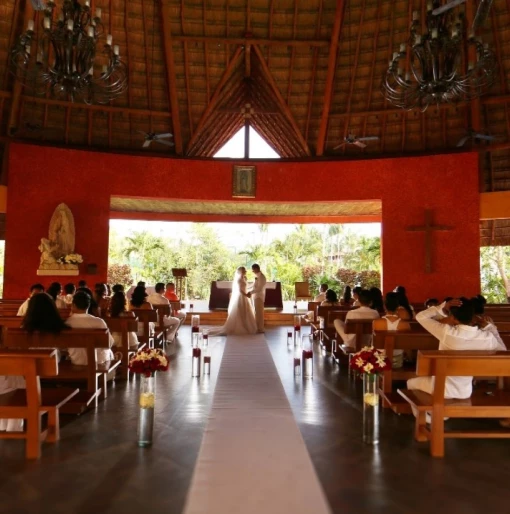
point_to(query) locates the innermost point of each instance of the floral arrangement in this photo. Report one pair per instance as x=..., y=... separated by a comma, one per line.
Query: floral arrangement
x=147, y=361
x=70, y=258
x=370, y=360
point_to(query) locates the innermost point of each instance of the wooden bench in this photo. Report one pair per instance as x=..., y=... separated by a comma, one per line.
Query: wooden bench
x=146, y=317
x=404, y=340
x=89, y=339
x=160, y=335
x=123, y=326
x=31, y=403
x=441, y=364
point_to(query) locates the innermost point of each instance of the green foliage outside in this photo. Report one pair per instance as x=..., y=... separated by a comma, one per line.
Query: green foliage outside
x=494, y=266
x=334, y=255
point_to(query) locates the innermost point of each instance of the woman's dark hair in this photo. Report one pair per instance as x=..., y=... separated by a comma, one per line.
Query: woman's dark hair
x=391, y=302
x=118, y=288
x=69, y=288
x=331, y=296
x=463, y=313
x=357, y=290
x=377, y=299
x=94, y=307
x=403, y=300
x=478, y=303
x=431, y=302
x=42, y=315
x=400, y=290
x=347, y=296
x=99, y=290
x=117, y=304
x=138, y=296
x=54, y=290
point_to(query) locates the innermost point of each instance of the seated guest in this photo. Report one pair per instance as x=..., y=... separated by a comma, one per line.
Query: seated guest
x=331, y=299
x=391, y=321
x=94, y=308
x=69, y=290
x=431, y=302
x=101, y=298
x=362, y=312
x=377, y=300
x=117, y=288
x=172, y=297
x=479, y=303
x=355, y=294
x=80, y=318
x=34, y=289
x=158, y=298
x=54, y=291
x=141, y=284
x=138, y=301
x=118, y=309
x=405, y=311
x=464, y=335
x=347, y=298
x=82, y=283
x=322, y=293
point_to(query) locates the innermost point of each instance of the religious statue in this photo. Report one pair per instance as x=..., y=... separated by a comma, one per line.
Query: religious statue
x=57, y=251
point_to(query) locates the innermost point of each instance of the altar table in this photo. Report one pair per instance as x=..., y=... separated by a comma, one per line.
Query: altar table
x=221, y=289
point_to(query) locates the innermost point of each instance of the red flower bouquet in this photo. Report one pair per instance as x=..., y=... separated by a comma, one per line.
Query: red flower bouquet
x=147, y=361
x=370, y=360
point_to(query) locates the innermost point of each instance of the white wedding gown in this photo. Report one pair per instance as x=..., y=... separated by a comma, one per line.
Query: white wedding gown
x=241, y=315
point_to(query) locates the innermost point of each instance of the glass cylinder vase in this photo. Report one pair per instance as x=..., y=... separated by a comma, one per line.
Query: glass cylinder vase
x=370, y=409
x=289, y=338
x=147, y=401
x=195, y=362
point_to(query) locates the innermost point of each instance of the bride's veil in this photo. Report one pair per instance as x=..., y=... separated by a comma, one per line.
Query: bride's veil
x=236, y=291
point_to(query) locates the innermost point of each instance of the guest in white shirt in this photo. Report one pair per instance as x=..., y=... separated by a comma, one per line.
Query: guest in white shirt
x=158, y=298
x=322, y=293
x=69, y=290
x=464, y=335
x=34, y=289
x=54, y=291
x=362, y=312
x=81, y=319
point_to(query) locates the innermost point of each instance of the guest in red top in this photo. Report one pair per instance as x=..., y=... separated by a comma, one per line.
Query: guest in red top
x=170, y=292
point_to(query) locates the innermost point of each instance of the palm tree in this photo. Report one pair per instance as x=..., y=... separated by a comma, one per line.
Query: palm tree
x=142, y=244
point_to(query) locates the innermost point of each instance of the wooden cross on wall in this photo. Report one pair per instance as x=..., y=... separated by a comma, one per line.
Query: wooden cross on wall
x=428, y=228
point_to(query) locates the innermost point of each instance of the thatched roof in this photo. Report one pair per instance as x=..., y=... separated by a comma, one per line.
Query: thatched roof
x=194, y=65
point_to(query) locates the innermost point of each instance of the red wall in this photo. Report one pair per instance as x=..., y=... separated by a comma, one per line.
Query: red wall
x=42, y=177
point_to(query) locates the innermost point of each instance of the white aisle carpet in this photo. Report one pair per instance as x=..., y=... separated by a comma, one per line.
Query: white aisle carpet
x=253, y=458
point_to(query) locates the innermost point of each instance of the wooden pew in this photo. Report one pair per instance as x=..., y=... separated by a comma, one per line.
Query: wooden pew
x=89, y=339
x=160, y=334
x=404, y=340
x=441, y=364
x=146, y=316
x=123, y=326
x=31, y=403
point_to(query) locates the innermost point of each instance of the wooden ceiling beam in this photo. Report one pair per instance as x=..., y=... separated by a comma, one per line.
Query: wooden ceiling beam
x=328, y=94
x=475, y=115
x=271, y=12
x=279, y=98
x=299, y=43
x=292, y=51
x=166, y=37
x=206, y=53
x=217, y=95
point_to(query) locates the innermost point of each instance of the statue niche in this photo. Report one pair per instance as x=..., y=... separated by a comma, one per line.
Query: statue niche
x=57, y=251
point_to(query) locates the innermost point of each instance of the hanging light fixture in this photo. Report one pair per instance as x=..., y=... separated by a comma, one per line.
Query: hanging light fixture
x=440, y=69
x=67, y=60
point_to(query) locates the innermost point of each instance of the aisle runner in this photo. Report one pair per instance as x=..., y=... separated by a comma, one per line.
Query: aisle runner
x=253, y=458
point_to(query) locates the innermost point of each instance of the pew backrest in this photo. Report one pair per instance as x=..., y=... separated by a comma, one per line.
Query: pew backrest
x=20, y=362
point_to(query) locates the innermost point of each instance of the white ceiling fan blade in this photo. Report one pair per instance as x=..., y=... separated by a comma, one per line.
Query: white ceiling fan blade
x=162, y=136
x=147, y=143
x=484, y=137
x=161, y=142
x=340, y=145
x=359, y=144
x=142, y=132
x=447, y=7
x=369, y=138
x=462, y=142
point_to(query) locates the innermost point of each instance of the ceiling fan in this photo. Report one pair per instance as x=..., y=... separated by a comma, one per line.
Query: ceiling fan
x=474, y=136
x=151, y=137
x=446, y=7
x=351, y=139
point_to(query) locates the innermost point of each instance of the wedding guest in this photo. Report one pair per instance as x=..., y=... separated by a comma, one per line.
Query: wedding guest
x=171, y=296
x=82, y=284
x=405, y=311
x=34, y=289
x=321, y=297
x=118, y=309
x=362, y=312
x=138, y=301
x=54, y=291
x=101, y=298
x=355, y=296
x=331, y=299
x=347, y=299
x=391, y=320
x=170, y=323
x=377, y=302
x=431, y=302
x=117, y=288
x=69, y=290
x=80, y=318
x=94, y=307
x=141, y=283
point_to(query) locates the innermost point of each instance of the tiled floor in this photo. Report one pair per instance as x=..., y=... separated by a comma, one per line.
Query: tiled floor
x=97, y=466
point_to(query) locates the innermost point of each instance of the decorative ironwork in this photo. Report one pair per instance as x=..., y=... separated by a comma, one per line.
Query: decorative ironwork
x=67, y=60
x=440, y=68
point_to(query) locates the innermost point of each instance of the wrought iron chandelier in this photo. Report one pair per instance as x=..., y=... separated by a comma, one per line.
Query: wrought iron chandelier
x=439, y=68
x=68, y=61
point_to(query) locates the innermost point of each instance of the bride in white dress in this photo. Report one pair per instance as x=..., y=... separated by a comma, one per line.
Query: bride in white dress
x=241, y=315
